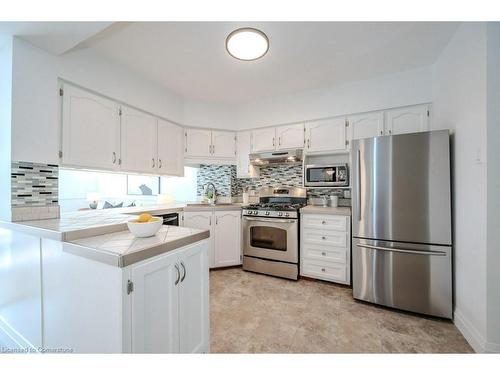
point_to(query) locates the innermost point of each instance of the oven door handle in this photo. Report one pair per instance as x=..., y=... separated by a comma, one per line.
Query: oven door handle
x=271, y=220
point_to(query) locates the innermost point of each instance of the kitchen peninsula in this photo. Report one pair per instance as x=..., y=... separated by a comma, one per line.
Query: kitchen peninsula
x=90, y=286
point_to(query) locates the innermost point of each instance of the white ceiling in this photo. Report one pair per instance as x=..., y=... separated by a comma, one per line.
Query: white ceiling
x=54, y=37
x=190, y=58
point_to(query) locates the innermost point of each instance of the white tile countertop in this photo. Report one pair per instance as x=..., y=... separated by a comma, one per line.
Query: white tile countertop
x=310, y=209
x=87, y=223
x=123, y=248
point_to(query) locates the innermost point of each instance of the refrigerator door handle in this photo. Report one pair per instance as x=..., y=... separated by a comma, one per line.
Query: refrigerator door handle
x=358, y=184
x=399, y=250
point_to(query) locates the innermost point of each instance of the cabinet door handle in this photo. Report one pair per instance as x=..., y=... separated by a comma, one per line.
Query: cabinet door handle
x=279, y=141
x=159, y=163
x=184, y=274
x=308, y=143
x=114, y=157
x=178, y=274
x=274, y=142
x=210, y=222
x=153, y=159
x=323, y=270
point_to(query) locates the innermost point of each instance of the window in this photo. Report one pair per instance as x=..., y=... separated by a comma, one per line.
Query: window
x=143, y=185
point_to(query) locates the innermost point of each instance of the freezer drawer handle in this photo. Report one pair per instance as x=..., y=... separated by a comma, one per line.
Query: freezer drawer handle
x=398, y=250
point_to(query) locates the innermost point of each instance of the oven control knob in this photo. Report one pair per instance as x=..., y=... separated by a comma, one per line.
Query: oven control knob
x=267, y=213
x=255, y=212
x=280, y=213
x=287, y=214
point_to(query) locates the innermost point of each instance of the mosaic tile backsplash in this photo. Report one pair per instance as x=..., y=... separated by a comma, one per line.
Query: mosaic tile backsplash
x=228, y=185
x=34, y=191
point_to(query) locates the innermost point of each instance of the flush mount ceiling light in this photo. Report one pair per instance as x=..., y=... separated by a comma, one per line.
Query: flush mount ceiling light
x=247, y=44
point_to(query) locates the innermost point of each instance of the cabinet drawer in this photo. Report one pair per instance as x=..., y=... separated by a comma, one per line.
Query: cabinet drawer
x=328, y=222
x=327, y=238
x=324, y=253
x=324, y=270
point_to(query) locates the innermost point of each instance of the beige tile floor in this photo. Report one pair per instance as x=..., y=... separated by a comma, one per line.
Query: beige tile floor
x=252, y=313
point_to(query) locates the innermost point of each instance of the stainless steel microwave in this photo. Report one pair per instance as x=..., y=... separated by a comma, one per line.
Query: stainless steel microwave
x=326, y=175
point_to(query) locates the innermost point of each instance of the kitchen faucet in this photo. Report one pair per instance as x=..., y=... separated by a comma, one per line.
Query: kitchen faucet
x=210, y=192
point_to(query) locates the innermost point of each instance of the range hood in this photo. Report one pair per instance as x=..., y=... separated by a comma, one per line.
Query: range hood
x=276, y=157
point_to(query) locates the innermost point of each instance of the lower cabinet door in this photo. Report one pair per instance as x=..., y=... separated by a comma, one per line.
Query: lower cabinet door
x=227, y=238
x=202, y=220
x=155, y=306
x=193, y=300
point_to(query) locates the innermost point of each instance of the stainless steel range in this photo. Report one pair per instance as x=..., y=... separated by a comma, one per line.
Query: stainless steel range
x=271, y=232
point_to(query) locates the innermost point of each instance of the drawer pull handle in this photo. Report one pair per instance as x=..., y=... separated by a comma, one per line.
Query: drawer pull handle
x=324, y=238
x=323, y=253
x=323, y=222
x=323, y=270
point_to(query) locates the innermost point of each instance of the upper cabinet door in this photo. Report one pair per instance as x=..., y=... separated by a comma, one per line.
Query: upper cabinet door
x=412, y=119
x=193, y=300
x=155, y=306
x=326, y=135
x=366, y=125
x=264, y=140
x=138, y=141
x=198, y=142
x=90, y=130
x=243, y=148
x=170, y=149
x=290, y=136
x=223, y=144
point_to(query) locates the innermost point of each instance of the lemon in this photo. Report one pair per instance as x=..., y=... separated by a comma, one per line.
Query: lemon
x=144, y=218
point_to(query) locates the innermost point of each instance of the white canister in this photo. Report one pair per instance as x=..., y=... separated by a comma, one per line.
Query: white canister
x=334, y=201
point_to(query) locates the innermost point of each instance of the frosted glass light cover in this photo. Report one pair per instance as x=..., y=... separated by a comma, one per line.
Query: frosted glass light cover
x=247, y=44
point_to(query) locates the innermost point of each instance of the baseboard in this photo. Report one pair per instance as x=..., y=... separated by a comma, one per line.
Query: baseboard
x=10, y=339
x=471, y=334
x=492, y=347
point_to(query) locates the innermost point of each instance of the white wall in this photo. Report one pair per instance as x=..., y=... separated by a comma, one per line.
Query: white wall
x=5, y=120
x=460, y=105
x=405, y=88
x=198, y=113
x=35, y=124
x=493, y=214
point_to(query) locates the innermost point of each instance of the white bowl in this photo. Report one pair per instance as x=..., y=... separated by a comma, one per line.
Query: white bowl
x=147, y=229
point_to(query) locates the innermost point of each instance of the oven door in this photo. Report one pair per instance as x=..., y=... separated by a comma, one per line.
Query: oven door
x=275, y=239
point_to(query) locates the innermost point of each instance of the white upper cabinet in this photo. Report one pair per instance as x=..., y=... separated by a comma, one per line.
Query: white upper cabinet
x=210, y=144
x=326, y=135
x=264, y=140
x=138, y=141
x=90, y=130
x=412, y=119
x=366, y=125
x=223, y=144
x=227, y=238
x=170, y=149
x=198, y=143
x=244, y=147
x=290, y=136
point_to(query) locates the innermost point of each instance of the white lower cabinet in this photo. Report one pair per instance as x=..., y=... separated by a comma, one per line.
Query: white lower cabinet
x=168, y=308
x=325, y=250
x=225, y=234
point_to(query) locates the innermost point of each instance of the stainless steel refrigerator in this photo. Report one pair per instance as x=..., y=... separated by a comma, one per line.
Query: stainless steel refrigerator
x=401, y=222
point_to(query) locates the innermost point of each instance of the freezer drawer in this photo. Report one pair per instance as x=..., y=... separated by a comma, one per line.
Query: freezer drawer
x=406, y=276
